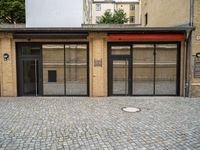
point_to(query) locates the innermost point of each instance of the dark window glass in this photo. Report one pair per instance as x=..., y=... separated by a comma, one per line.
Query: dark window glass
x=132, y=7
x=146, y=18
x=52, y=76
x=28, y=50
x=132, y=19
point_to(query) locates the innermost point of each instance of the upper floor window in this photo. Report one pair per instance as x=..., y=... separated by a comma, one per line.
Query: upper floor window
x=132, y=19
x=146, y=19
x=98, y=7
x=132, y=7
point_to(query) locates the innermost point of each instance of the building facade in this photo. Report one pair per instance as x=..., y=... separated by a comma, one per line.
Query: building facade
x=131, y=8
x=102, y=60
x=92, y=61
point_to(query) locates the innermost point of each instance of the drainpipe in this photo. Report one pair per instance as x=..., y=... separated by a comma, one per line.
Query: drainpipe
x=189, y=47
x=184, y=67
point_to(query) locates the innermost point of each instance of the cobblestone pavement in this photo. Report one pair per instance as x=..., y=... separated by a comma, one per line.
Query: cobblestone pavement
x=99, y=123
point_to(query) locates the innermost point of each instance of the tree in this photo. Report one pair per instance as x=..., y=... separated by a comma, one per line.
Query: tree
x=12, y=11
x=119, y=17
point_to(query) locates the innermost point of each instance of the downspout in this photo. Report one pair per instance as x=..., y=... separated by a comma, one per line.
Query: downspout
x=185, y=65
x=190, y=46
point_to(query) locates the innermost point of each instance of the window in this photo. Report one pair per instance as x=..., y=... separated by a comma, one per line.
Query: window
x=146, y=19
x=132, y=7
x=98, y=7
x=30, y=50
x=52, y=76
x=53, y=69
x=132, y=19
x=108, y=10
x=98, y=19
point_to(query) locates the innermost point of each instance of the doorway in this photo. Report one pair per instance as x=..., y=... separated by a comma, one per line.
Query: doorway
x=29, y=70
x=121, y=76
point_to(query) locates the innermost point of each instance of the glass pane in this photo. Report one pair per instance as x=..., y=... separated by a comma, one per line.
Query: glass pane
x=143, y=69
x=120, y=50
x=30, y=77
x=29, y=50
x=120, y=77
x=53, y=59
x=166, y=65
x=76, y=69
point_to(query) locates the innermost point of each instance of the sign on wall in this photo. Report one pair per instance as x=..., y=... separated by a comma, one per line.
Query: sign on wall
x=98, y=62
x=197, y=68
x=198, y=37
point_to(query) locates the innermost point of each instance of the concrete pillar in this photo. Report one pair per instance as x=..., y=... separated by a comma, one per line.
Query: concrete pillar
x=98, y=64
x=8, y=67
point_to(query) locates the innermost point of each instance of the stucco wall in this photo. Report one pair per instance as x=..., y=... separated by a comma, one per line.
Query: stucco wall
x=54, y=13
x=165, y=12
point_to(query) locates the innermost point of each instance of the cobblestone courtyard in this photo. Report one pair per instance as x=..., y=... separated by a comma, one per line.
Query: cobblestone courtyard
x=99, y=123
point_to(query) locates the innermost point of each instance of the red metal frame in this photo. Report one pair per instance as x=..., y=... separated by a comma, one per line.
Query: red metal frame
x=145, y=36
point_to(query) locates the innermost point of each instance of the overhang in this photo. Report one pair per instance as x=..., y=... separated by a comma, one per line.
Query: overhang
x=21, y=31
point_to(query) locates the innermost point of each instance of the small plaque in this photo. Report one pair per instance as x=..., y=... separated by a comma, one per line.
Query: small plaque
x=198, y=37
x=197, y=68
x=98, y=62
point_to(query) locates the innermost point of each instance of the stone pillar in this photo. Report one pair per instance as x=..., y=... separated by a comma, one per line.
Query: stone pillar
x=98, y=64
x=8, y=67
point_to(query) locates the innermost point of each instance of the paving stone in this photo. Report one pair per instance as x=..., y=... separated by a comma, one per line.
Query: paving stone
x=99, y=123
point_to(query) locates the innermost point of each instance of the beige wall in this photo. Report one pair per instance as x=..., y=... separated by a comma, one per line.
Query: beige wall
x=196, y=46
x=165, y=12
x=98, y=73
x=7, y=68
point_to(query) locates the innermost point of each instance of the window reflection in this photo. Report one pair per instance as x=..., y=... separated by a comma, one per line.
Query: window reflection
x=76, y=69
x=53, y=59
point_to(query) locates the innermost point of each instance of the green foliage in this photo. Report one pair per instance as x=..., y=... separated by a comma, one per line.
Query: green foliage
x=119, y=17
x=12, y=11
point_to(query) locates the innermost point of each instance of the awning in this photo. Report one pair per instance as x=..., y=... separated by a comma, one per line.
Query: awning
x=146, y=36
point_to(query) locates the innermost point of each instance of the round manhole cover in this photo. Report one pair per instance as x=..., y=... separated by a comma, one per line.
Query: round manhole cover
x=131, y=109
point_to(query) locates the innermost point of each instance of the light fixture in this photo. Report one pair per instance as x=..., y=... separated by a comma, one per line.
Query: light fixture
x=6, y=56
x=198, y=55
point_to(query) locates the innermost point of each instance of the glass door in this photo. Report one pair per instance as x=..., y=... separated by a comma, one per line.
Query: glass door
x=120, y=77
x=30, y=81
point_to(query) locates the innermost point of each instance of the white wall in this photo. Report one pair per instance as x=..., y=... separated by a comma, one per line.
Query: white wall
x=54, y=13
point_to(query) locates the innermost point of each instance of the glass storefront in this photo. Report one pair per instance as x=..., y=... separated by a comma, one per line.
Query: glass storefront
x=153, y=71
x=53, y=69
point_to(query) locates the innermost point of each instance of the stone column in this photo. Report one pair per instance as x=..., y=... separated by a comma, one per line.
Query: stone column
x=98, y=64
x=7, y=67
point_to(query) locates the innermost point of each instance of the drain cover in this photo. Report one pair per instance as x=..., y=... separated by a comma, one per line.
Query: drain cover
x=131, y=109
